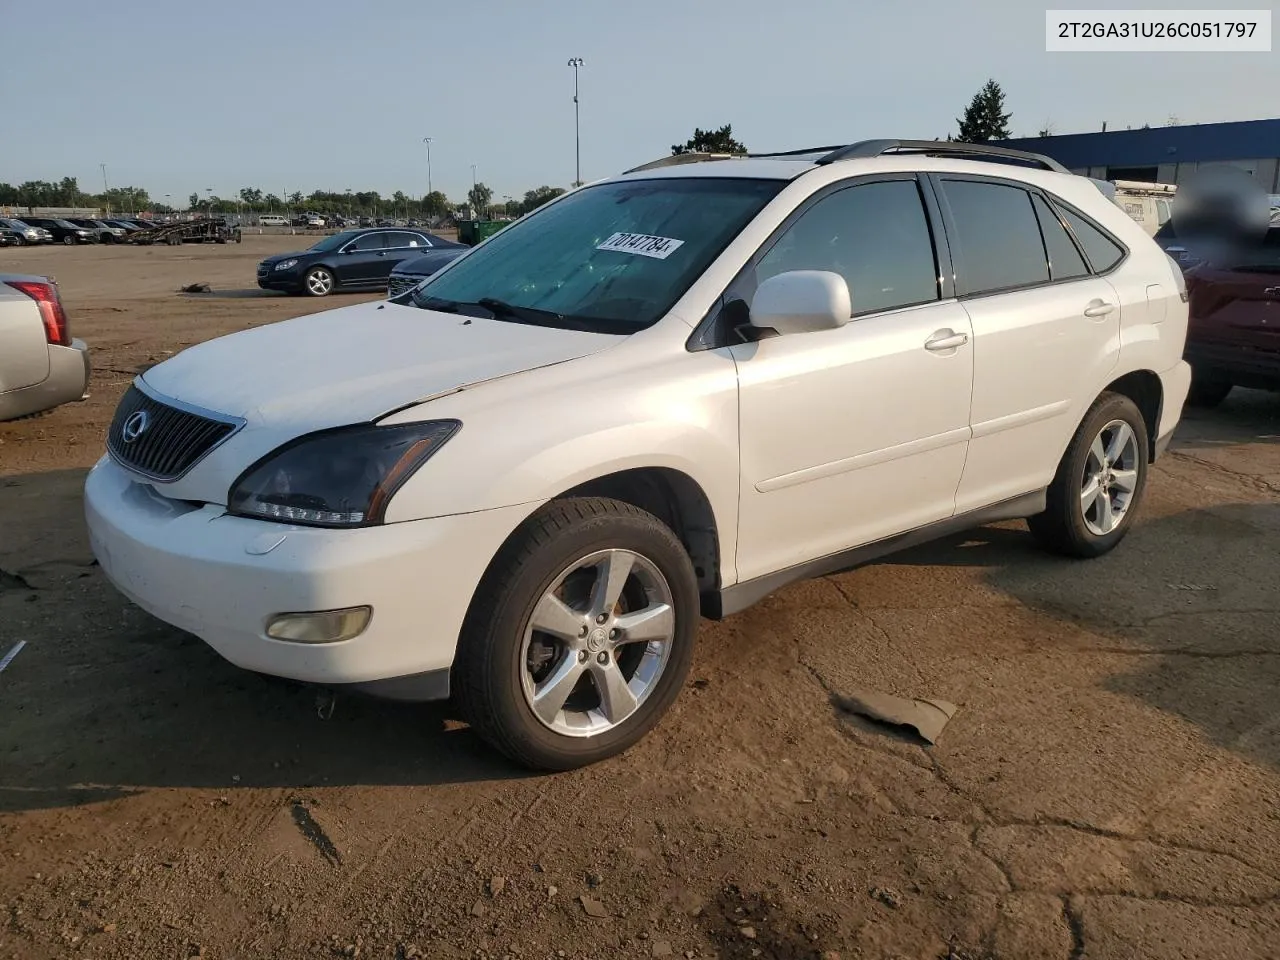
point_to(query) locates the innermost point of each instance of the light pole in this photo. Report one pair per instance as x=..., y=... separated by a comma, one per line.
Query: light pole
x=473, y=176
x=576, y=62
x=105, y=188
x=427, y=141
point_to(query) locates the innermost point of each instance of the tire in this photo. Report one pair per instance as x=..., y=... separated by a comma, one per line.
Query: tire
x=1208, y=390
x=502, y=661
x=69, y=240
x=319, y=282
x=1075, y=526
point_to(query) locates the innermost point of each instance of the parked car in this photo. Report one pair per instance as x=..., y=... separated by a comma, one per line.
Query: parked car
x=351, y=260
x=1148, y=204
x=27, y=232
x=663, y=394
x=11, y=238
x=272, y=220
x=64, y=231
x=366, y=222
x=128, y=226
x=1234, y=334
x=41, y=365
x=315, y=221
x=106, y=232
x=409, y=273
x=385, y=222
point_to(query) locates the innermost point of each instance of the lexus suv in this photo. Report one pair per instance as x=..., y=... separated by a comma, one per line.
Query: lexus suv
x=659, y=396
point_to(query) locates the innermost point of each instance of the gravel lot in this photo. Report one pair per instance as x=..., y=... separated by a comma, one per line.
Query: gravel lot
x=1110, y=787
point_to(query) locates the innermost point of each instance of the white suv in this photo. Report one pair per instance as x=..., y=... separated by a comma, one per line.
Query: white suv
x=661, y=395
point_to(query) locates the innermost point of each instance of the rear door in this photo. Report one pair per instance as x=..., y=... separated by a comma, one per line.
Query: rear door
x=1045, y=329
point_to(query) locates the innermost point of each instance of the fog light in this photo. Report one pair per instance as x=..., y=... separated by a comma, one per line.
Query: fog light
x=320, y=626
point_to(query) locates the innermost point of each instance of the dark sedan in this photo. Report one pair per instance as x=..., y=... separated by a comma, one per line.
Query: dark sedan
x=64, y=231
x=1233, y=337
x=351, y=260
x=409, y=273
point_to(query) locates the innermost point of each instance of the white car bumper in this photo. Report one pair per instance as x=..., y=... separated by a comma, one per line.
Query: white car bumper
x=223, y=578
x=1176, y=382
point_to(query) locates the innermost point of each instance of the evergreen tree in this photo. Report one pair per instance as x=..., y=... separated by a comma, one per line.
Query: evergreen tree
x=984, y=119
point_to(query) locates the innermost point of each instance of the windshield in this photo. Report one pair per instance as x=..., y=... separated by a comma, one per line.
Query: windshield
x=334, y=242
x=611, y=258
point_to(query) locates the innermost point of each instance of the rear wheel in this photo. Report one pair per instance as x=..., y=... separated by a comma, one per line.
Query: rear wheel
x=580, y=635
x=69, y=240
x=1207, y=389
x=1095, y=494
x=318, y=282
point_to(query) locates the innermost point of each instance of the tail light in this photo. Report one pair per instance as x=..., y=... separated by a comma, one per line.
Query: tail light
x=45, y=294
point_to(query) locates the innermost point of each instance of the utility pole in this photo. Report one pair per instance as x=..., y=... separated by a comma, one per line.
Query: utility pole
x=105, y=189
x=473, y=176
x=576, y=62
x=427, y=141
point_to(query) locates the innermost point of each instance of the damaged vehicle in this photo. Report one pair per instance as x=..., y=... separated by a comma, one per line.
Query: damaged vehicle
x=659, y=397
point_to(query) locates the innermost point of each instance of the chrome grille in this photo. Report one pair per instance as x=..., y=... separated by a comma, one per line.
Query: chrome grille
x=402, y=284
x=172, y=438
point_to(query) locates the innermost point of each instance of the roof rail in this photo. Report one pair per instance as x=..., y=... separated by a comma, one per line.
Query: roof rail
x=794, y=153
x=678, y=158
x=941, y=148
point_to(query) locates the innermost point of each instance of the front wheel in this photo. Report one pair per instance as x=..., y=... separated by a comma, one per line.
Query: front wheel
x=580, y=634
x=1095, y=494
x=69, y=240
x=318, y=282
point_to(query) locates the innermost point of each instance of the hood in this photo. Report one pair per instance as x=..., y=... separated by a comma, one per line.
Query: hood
x=428, y=263
x=277, y=257
x=357, y=363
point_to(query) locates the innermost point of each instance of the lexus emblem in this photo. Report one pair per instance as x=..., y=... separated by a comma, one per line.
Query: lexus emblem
x=135, y=426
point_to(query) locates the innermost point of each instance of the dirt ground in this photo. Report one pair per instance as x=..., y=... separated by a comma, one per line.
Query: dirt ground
x=1109, y=789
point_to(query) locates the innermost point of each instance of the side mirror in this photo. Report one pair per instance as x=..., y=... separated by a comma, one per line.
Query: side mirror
x=802, y=301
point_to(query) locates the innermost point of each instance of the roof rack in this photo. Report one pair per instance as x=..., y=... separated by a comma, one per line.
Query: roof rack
x=678, y=158
x=941, y=148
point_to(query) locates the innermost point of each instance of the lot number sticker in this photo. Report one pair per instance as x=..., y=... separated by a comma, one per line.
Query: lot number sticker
x=641, y=243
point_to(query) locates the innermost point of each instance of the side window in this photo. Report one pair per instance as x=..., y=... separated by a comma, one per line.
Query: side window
x=875, y=235
x=400, y=240
x=999, y=239
x=1103, y=252
x=1065, y=262
x=369, y=241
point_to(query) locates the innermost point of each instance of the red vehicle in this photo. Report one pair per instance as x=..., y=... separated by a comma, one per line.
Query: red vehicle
x=1233, y=338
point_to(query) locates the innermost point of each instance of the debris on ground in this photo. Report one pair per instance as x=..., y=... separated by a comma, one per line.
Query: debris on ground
x=594, y=908
x=926, y=717
x=890, y=898
x=196, y=288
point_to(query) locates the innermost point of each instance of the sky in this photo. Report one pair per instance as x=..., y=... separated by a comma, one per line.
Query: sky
x=176, y=96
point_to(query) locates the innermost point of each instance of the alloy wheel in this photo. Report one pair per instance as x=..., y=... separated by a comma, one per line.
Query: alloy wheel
x=597, y=643
x=1110, y=478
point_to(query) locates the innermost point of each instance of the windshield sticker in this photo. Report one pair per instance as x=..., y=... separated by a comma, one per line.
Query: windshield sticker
x=646, y=246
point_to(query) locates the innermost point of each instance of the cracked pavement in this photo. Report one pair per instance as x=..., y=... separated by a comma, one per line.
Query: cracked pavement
x=1109, y=787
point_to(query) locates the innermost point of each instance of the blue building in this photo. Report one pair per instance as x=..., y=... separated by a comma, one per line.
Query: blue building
x=1166, y=154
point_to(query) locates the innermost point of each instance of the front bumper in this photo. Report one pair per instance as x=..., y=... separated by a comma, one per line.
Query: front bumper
x=286, y=280
x=67, y=381
x=223, y=578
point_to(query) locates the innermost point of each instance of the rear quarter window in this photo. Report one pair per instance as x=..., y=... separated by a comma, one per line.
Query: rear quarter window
x=999, y=238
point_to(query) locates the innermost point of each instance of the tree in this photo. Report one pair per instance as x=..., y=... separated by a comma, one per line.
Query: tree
x=478, y=197
x=984, y=119
x=295, y=198
x=533, y=199
x=193, y=201
x=435, y=204
x=710, y=141
x=1046, y=130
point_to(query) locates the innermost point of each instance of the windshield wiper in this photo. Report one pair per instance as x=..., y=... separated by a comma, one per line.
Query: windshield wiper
x=501, y=309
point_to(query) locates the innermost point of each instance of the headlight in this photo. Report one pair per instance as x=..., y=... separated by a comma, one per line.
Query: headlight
x=285, y=264
x=337, y=478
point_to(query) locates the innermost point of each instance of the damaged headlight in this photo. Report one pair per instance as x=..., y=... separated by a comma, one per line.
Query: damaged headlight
x=337, y=478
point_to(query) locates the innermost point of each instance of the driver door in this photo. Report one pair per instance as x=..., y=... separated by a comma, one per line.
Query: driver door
x=857, y=433
x=361, y=260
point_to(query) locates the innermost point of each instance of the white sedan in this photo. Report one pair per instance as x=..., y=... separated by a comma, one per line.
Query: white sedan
x=41, y=365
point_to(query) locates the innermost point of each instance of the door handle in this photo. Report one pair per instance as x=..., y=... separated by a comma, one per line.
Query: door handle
x=1098, y=308
x=946, y=340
